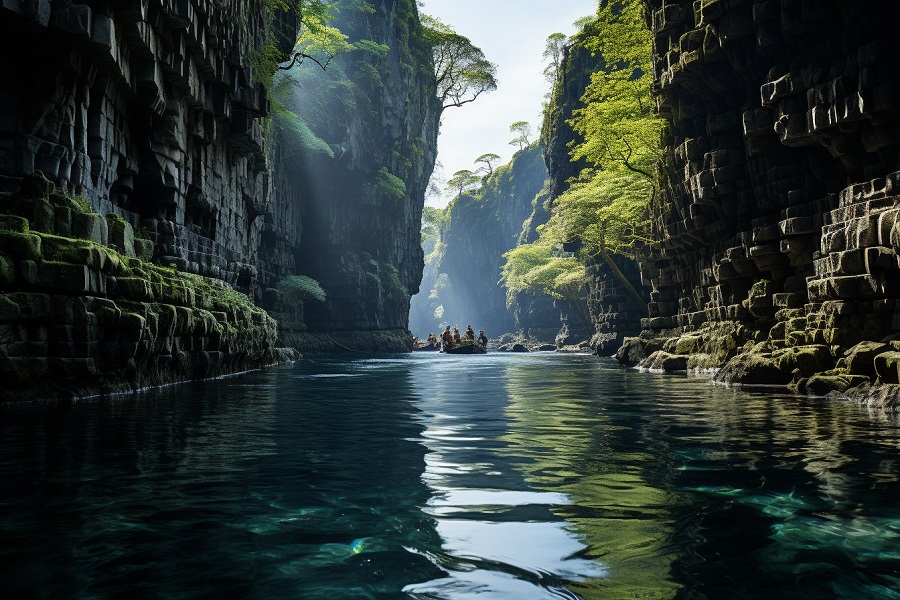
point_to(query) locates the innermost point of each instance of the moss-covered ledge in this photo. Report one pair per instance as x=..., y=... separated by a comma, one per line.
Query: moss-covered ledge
x=84, y=311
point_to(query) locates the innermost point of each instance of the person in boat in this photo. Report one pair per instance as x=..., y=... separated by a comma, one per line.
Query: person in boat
x=482, y=339
x=470, y=333
x=457, y=339
x=447, y=337
x=432, y=341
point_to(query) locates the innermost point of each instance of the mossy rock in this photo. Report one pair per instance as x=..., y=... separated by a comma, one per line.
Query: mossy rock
x=121, y=234
x=90, y=226
x=807, y=360
x=824, y=384
x=703, y=362
x=687, y=344
x=860, y=359
x=20, y=246
x=7, y=272
x=751, y=368
x=631, y=352
x=664, y=361
x=13, y=223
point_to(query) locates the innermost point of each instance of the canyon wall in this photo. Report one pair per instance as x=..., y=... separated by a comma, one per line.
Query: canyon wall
x=145, y=222
x=370, y=124
x=777, y=243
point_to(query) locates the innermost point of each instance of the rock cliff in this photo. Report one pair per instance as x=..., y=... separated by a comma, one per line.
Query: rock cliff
x=370, y=124
x=144, y=221
x=777, y=252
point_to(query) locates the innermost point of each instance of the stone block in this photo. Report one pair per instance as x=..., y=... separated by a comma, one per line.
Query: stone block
x=64, y=277
x=887, y=367
x=120, y=234
x=90, y=226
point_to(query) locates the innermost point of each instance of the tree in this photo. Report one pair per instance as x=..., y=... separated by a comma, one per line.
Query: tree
x=463, y=180
x=522, y=129
x=539, y=268
x=554, y=50
x=487, y=161
x=461, y=70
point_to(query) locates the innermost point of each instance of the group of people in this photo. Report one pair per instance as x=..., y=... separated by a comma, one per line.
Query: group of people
x=452, y=339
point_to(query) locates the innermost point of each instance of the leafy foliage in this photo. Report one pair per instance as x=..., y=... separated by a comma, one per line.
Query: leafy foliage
x=554, y=51
x=461, y=69
x=391, y=186
x=606, y=204
x=522, y=130
x=463, y=180
x=302, y=288
x=487, y=163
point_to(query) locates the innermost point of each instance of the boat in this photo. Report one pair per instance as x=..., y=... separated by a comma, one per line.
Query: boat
x=467, y=349
x=426, y=348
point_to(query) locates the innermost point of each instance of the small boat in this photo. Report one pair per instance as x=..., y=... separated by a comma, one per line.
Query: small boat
x=467, y=349
x=426, y=348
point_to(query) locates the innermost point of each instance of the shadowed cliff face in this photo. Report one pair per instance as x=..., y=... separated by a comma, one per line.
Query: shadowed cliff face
x=373, y=122
x=780, y=182
x=150, y=111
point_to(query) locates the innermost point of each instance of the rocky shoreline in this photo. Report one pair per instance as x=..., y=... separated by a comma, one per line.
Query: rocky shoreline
x=867, y=372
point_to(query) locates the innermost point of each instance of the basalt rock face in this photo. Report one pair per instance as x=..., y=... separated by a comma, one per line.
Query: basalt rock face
x=782, y=186
x=373, y=120
x=83, y=310
x=148, y=109
x=614, y=312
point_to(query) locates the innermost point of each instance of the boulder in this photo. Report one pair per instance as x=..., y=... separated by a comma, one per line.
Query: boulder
x=751, y=368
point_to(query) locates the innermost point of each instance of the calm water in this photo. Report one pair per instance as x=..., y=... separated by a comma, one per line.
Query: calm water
x=424, y=476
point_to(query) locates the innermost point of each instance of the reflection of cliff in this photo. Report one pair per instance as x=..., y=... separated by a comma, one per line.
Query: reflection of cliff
x=177, y=495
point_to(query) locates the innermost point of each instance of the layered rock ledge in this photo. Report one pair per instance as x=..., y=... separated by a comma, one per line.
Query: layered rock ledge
x=83, y=311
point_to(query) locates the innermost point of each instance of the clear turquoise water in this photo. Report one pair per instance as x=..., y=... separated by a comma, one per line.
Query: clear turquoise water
x=425, y=476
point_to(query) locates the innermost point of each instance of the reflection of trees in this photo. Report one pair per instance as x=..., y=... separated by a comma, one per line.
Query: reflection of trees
x=675, y=482
x=568, y=446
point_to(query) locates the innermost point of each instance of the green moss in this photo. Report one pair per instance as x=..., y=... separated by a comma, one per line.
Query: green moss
x=7, y=271
x=20, y=246
x=13, y=224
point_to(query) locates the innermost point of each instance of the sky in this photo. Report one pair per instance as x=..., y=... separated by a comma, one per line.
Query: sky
x=512, y=34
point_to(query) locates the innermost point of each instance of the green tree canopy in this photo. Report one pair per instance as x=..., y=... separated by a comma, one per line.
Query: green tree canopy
x=540, y=268
x=606, y=205
x=463, y=180
x=461, y=69
x=554, y=52
x=522, y=131
x=487, y=163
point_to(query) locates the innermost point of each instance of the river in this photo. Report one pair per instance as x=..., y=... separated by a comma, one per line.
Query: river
x=427, y=476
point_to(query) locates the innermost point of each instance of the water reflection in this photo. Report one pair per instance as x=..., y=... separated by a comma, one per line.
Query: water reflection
x=500, y=538
x=254, y=487
x=497, y=476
